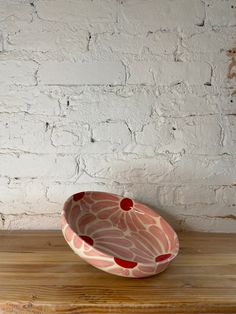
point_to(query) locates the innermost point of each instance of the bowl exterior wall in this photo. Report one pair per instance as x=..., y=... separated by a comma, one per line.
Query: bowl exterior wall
x=108, y=265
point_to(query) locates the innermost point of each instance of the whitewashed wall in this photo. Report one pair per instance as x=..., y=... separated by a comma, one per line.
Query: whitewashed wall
x=128, y=96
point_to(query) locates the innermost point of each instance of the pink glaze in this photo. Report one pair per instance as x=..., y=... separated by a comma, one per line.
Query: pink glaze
x=118, y=235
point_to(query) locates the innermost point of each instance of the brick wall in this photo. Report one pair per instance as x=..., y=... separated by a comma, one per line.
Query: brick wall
x=127, y=96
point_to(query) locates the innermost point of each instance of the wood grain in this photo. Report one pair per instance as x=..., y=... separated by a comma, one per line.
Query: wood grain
x=40, y=274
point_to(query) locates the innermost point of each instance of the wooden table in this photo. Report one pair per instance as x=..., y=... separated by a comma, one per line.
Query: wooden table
x=40, y=274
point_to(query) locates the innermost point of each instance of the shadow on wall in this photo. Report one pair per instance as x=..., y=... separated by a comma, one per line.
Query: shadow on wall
x=180, y=191
x=134, y=180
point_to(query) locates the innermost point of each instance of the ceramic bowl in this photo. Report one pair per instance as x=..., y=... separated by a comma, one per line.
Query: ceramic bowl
x=118, y=235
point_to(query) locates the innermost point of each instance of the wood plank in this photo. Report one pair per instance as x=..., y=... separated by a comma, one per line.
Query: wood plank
x=40, y=274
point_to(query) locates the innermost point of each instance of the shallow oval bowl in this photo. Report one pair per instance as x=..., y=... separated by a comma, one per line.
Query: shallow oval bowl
x=118, y=235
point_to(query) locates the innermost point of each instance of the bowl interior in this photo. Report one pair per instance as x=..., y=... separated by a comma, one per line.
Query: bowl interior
x=120, y=227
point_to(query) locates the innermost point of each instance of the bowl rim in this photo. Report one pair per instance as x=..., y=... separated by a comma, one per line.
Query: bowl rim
x=168, y=260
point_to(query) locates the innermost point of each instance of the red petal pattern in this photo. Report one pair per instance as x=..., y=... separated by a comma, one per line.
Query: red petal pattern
x=163, y=257
x=126, y=204
x=124, y=263
x=78, y=196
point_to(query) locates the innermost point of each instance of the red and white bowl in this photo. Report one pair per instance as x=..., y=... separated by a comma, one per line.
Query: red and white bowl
x=118, y=234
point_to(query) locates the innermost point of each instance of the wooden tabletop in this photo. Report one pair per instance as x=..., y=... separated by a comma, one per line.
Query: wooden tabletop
x=40, y=274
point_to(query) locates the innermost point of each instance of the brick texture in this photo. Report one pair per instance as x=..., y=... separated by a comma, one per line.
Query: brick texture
x=124, y=96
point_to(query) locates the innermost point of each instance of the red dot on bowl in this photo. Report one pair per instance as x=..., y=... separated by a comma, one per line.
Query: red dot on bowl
x=162, y=257
x=126, y=204
x=87, y=239
x=124, y=263
x=78, y=196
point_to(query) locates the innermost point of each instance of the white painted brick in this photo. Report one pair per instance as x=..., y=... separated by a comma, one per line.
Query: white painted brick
x=197, y=138
x=34, y=192
x=229, y=133
x=32, y=208
x=227, y=196
x=9, y=194
x=216, y=209
x=92, y=98
x=212, y=44
x=15, y=10
x=37, y=166
x=208, y=224
x=146, y=194
x=30, y=100
x=188, y=195
x=158, y=43
x=175, y=104
x=95, y=147
x=155, y=134
x=60, y=192
x=140, y=73
x=218, y=170
x=119, y=42
x=32, y=222
x=18, y=132
x=113, y=132
x=166, y=73
x=96, y=73
x=231, y=118
x=226, y=103
x=221, y=13
x=17, y=72
x=193, y=73
x=190, y=134
x=11, y=100
x=152, y=15
x=44, y=37
x=161, y=43
x=129, y=170
x=140, y=150
x=8, y=104
x=219, y=78
x=98, y=148
x=71, y=134
x=1, y=42
x=42, y=104
x=165, y=195
x=132, y=106
x=77, y=11
x=30, y=199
